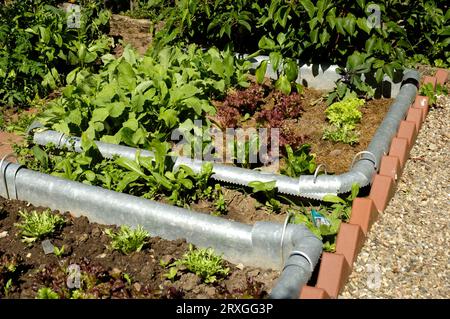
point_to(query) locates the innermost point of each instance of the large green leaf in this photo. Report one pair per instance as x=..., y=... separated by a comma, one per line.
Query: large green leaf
x=291, y=70
x=309, y=7
x=266, y=43
x=283, y=85
x=183, y=92
x=126, y=180
x=116, y=109
x=130, y=165
x=100, y=114
x=333, y=199
x=261, y=72
x=275, y=60
x=126, y=76
x=169, y=116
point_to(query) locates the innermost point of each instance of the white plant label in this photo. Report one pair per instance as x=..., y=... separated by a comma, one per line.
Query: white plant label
x=74, y=277
x=73, y=16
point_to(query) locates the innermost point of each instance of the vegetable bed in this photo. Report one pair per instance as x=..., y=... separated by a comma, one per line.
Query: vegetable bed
x=99, y=89
x=27, y=272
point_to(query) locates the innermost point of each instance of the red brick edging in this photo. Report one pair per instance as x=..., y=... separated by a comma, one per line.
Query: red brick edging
x=335, y=268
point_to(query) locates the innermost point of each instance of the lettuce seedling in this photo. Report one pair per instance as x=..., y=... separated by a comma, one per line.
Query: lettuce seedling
x=127, y=240
x=36, y=225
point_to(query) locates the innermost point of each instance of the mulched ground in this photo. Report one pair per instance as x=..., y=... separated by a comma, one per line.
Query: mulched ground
x=104, y=271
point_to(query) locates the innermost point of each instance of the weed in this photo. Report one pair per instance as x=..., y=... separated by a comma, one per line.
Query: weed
x=8, y=287
x=343, y=206
x=431, y=93
x=172, y=274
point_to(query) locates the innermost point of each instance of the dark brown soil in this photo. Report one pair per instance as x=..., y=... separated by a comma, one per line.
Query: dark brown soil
x=104, y=272
x=242, y=208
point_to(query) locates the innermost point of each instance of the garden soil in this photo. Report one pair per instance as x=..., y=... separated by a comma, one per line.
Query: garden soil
x=110, y=274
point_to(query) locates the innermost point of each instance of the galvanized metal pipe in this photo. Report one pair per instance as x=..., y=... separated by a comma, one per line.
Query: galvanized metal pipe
x=257, y=245
x=306, y=185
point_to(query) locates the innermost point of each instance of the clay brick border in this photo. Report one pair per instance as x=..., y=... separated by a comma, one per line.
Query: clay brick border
x=399, y=148
x=333, y=273
x=335, y=268
x=309, y=292
x=390, y=166
x=409, y=131
x=422, y=102
x=441, y=76
x=364, y=213
x=349, y=242
x=381, y=192
x=416, y=116
x=430, y=79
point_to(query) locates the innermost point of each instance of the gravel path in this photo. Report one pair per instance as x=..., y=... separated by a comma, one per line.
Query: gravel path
x=406, y=254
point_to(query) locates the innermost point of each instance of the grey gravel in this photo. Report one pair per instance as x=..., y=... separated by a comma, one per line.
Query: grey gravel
x=406, y=254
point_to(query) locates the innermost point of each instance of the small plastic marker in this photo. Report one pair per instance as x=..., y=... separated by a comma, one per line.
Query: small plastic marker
x=47, y=246
x=319, y=219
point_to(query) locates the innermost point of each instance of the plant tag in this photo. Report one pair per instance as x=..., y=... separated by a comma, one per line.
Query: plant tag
x=319, y=219
x=73, y=15
x=47, y=246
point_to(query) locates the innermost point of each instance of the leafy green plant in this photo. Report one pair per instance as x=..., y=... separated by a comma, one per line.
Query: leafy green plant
x=59, y=252
x=343, y=134
x=11, y=267
x=127, y=240
x=267, y=190
x=351, y=82
x=338, y=212
x=149, y=177
x=285, y=68
x=219, y=201
x=367, y=38
x=35, y=226
x=326, y=233
x=299, y=162
x=172, y=273
x=36, y=47
x=8, y=286
x=46, y=293
x=343, y=206
x=432, y=93
x=343, y=116
x=204, y=263
x=134, y=99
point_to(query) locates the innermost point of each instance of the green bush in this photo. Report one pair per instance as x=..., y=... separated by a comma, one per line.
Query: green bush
x=336, y=31
x=38, y=49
